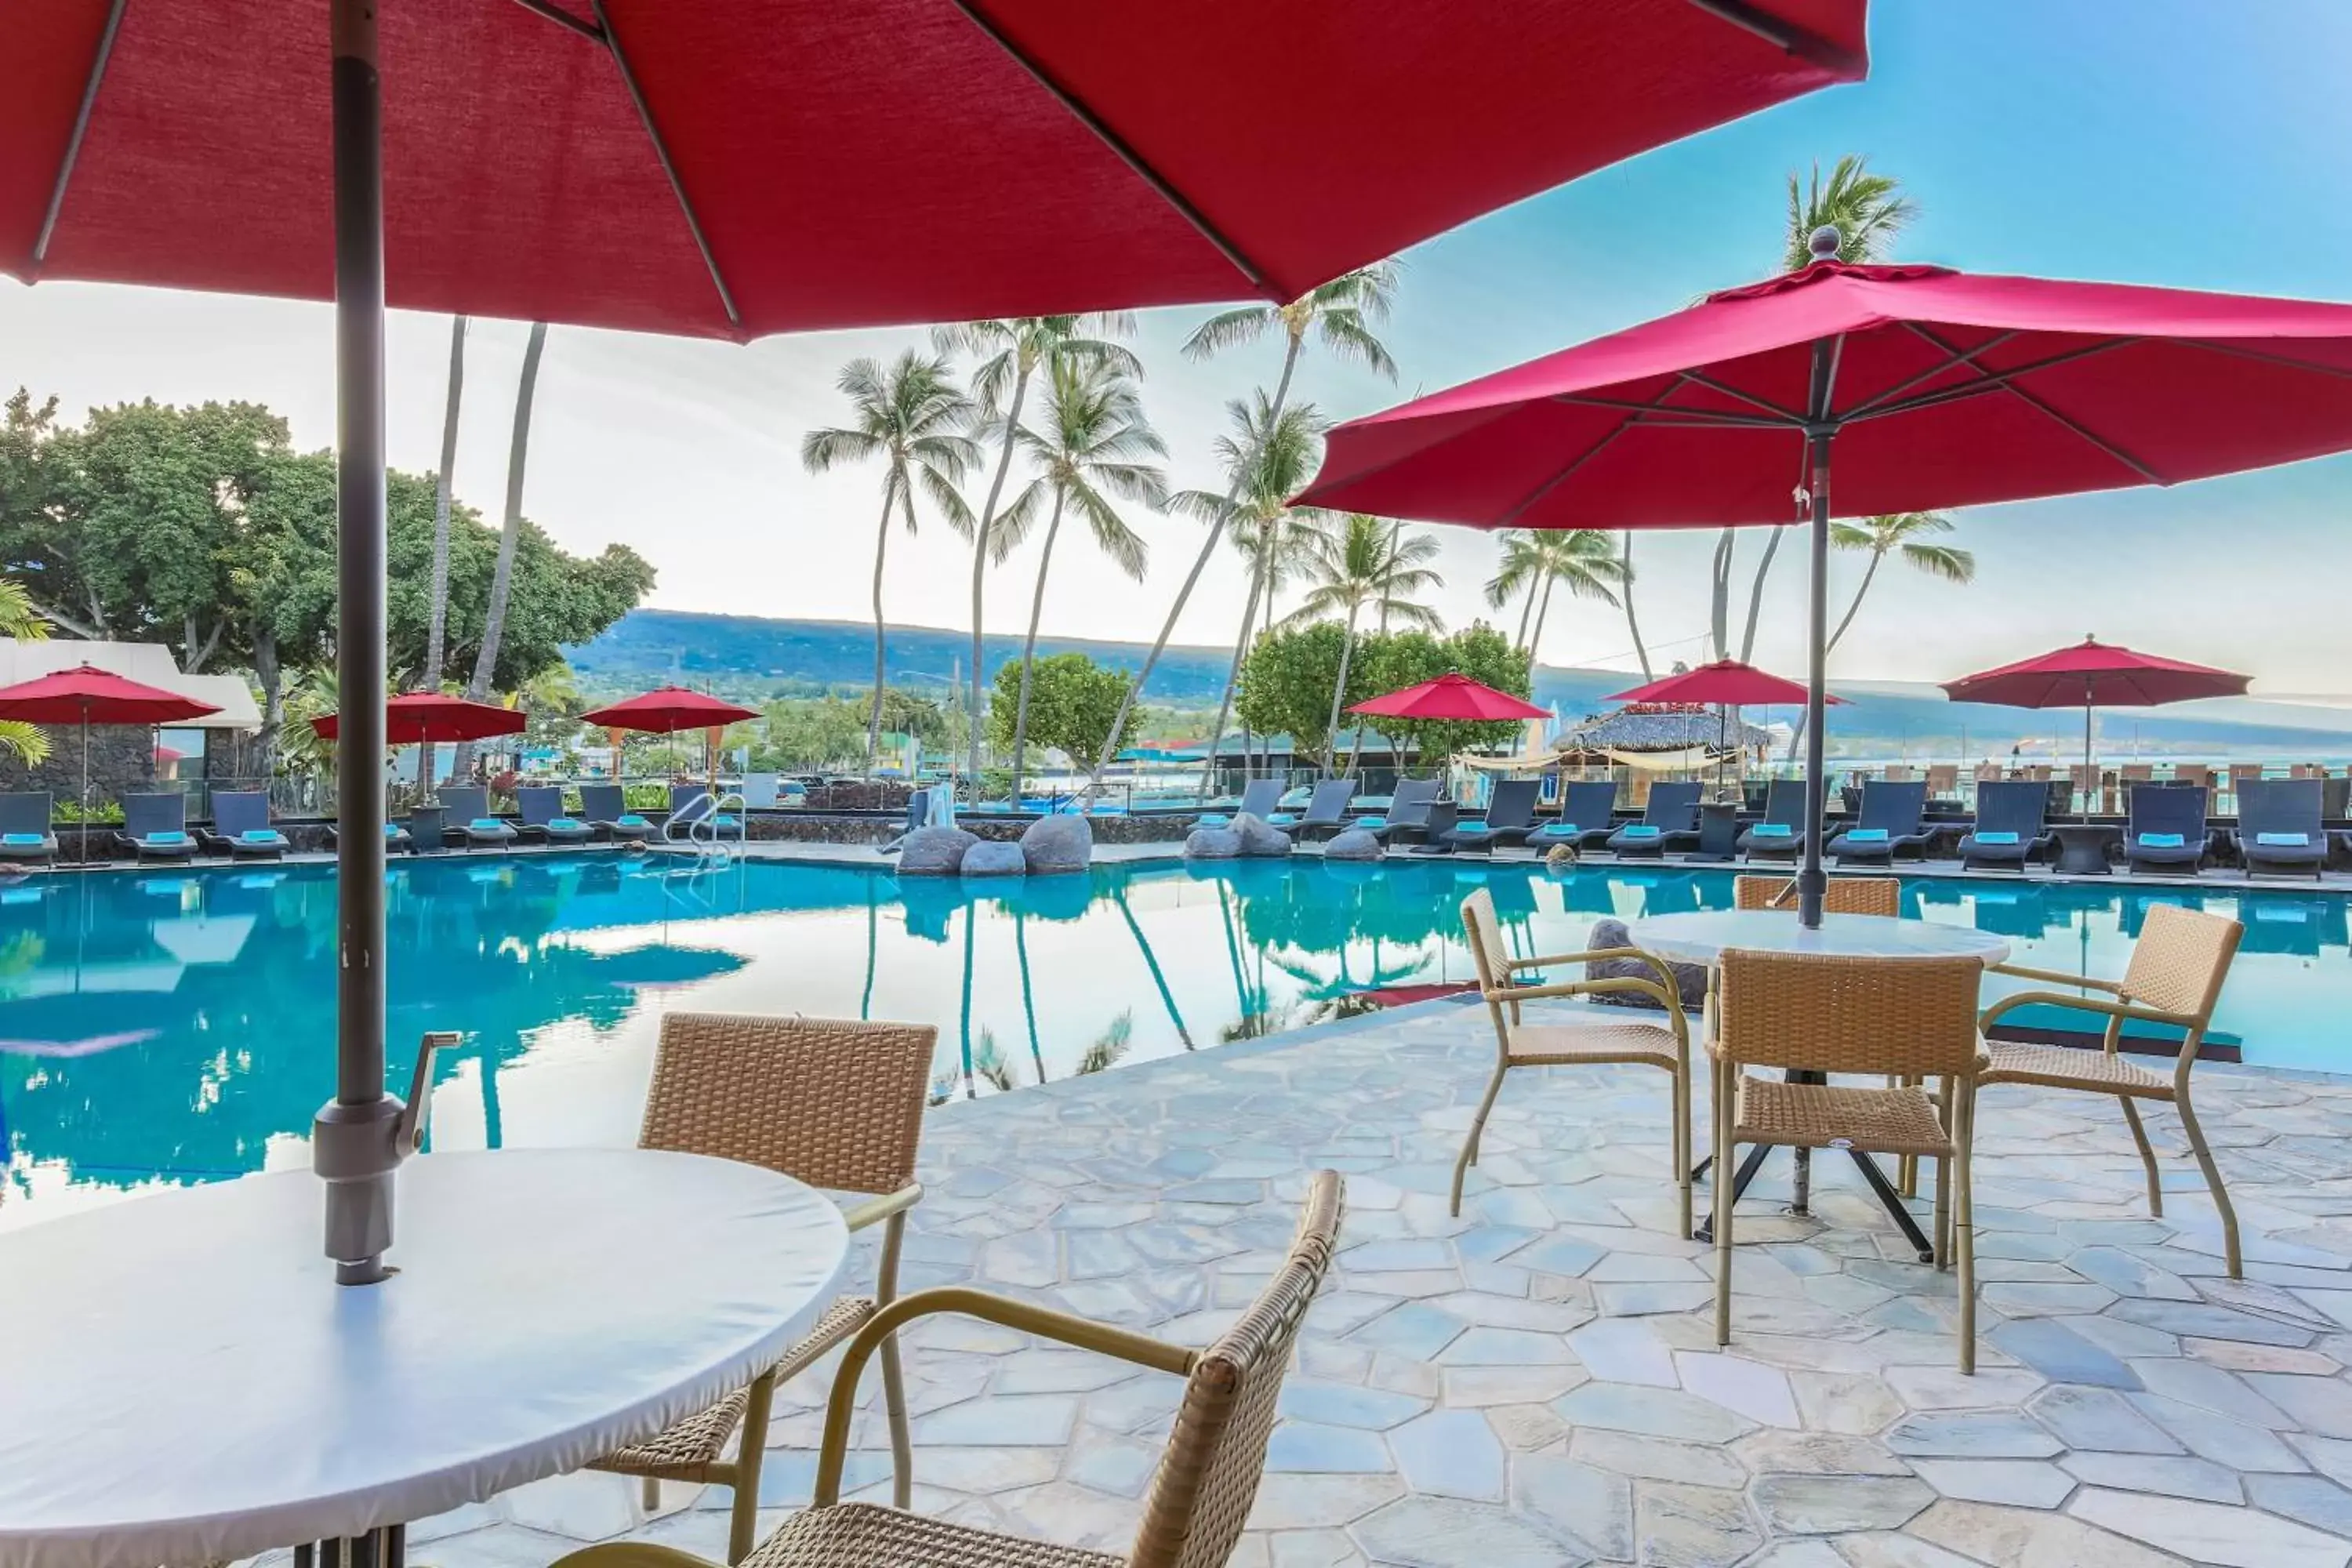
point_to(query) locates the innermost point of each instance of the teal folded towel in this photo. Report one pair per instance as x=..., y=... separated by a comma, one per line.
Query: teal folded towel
x=1639, y=830
x=1213, y=819
x=1371, y=822
x=1775, y=830
x=2284, y=840
x=261, y=835
x=564, y=824
x=394, y=830
x=486, y=825
x=631, y=819
x=1996, y=838
x=1867, y=835
x=723, y=820
x=1561, y=830
x=2162, y=840
x=1282, y=819
x=22, y=839
x=169, y=836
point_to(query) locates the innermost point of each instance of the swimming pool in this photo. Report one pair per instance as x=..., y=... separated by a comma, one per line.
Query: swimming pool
x=180, y=1025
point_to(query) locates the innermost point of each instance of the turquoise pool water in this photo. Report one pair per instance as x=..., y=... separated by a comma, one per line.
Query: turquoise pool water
x=179, y=1025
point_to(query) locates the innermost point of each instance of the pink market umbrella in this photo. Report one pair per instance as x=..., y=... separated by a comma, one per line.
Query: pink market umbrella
x=86, y=695
x=2092, y=674
x=1452, y=698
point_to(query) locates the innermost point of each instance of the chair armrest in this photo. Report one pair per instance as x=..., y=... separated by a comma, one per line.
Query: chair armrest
x=2056, y=977
x=2121, y=1007
x=841, y=1403
x=861, y=1215
x=631, y=1554
x=1581, y=988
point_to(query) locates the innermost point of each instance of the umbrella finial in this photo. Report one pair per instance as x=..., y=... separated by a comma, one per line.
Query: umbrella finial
x=1825, y=243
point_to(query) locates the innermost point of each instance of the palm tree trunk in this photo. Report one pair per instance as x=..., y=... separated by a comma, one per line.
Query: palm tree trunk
x=271, y=680
x=874, y=713
x=1543, y=612
x=1233, y=670
x=494, y=624
x=1151, y=962
x=1388, y=585
x=1756, y=595
x=980, y=560
x=1868, y=572
x=1625, y=559
x=437, y=630
x=1028, y=660
x=1339, y=691
x=1525, y=610
x=1028, y=992
x=1200, y=564
x=1718, y=608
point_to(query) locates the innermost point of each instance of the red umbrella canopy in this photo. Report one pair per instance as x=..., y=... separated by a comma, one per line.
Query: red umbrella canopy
x=89, y=695
x=1451, y=697
x=737, y=167
x=1943, y=390
x=1727, y=681
x=668, y=710
x=422, y=718
x=2092, y=674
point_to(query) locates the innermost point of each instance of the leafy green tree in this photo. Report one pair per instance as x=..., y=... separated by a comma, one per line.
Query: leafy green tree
x=810, y=736
x=1477, y=651
x=905, y=713
x=1365, y=560
x=1339, y=314
x=1013, y=351
x=913, y=417
x=1073, y=701
x=1288, y=675
x=1909, y=534
x=1091, y=449
x=283, y=582
x=19, y=620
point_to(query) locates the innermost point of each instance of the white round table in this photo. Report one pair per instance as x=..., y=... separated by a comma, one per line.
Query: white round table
x=183, y=1382
x=1699, y=938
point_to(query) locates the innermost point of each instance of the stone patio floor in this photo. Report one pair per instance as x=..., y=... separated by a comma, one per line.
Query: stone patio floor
x=1537, y=1383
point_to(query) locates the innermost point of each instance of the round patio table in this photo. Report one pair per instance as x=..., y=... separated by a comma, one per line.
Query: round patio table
x=185, y=1383
x=1702, y=938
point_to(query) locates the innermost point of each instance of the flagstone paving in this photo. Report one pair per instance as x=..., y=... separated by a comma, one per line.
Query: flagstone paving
x=1536, y=1385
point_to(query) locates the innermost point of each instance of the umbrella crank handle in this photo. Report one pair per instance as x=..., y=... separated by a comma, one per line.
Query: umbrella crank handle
x=408, y=1132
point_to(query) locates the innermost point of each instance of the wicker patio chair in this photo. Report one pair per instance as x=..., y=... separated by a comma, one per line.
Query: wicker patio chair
x=837, y=1104
x=1520, y=1045
x=1199, y=1497
x=1819, y=1015
x=2174, y=976
x=1844, y=895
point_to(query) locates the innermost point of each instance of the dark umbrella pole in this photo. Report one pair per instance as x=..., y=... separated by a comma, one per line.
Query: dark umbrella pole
x=355, y=1144
x=1812, y=882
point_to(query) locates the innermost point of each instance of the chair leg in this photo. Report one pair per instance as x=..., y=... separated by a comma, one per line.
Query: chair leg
x=649, y=1493
x=2147, y=1156
x=1469, y=1155
x=1724, y=1109
x=894, y=1381
x=750, y=1448
x=1964, y=1226
x=1682, y=1142
x=2213, y=1180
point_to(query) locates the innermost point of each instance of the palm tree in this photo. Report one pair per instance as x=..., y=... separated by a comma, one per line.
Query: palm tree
x=1908, y=532
x=1015, y=349
x=1093, y=441
x=913, y=417
x=1339, y=314
x=494, y=623
x=1584, y=561
x=1868, y=211
x=19, y=620
x=1268, y=456
x=437, y=630
x=1364, y=560
x=1625, y=578
x=1516, y=575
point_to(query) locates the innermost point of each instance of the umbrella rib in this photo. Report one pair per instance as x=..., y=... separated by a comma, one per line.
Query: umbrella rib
x=1699, y=418
x=563, y=18
x=1952, y=363
x=1766, y=403
x=1510, y=519
x=1135, y=161
x=1752, y=18
x=1988, y=381
x=2286, y=362
x=80, y=129
x=2042, y=405
x=612, y=42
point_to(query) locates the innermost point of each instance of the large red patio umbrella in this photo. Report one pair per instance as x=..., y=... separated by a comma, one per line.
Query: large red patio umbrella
x=1453, y=697
x=668, y=710
x=2092, y=674
x=1931, y=387
x=428, y=718
x=736, y=167
x=1726, y=683
x=86, y=695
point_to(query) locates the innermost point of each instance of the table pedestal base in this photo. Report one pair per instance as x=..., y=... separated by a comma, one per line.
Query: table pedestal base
x=385, y=1548
x=1801, y=1202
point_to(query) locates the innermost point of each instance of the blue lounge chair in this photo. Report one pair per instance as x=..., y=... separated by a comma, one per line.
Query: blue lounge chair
x=607, y=810
x=2279, y=827
x=1779, y=833
x=1259, y=799
x=2009, y=829
x=1327, y=811
x=1670, y=821
x=540, y=807
x=468, y=807
x=25, y=836
x=722, y=822
x=1888, y=821
x=241, y=828
x=1408, y=805
x=1510, y=817
x=2166, y=830
x=1585, y=820
x=155, y=826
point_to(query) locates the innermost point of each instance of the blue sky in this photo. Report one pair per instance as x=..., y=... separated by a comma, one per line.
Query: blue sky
x=2179, y=141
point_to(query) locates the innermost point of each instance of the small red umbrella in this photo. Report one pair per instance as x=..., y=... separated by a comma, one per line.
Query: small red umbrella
x=669, y=709
x=1725, y=683
x=86, y=695
x=425, y=718
x=1453, y=697
x=2092, y=674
